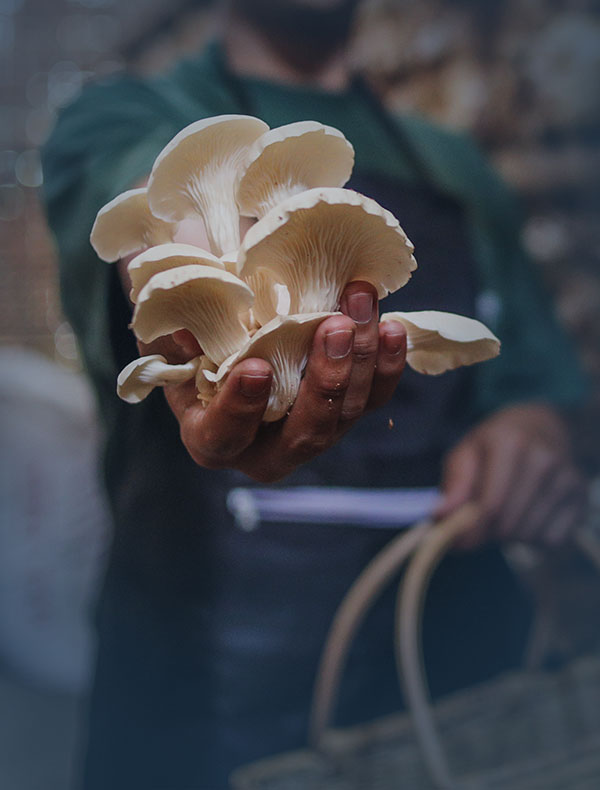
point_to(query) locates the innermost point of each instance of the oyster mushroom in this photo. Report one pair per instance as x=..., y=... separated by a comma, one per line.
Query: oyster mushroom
x=289, y=160
x=438, y=341
x=284, y=343
x=197, y=174
x=126, y=225
x=137, y=380
x=164, y=257
x=317, y=242
x=205, y=300
x=206, y=388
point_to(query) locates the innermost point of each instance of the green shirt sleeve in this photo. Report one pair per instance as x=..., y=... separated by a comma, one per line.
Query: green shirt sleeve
x=101, y=145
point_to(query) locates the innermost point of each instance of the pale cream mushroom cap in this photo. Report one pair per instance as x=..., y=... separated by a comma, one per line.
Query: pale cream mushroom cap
x=164, y=257
x=127, y=225
x=197, y=173
x=439, y=341
x=284, y=343
x=317, y=242
x=137, y=380
x=291, y=159
x=202, y=299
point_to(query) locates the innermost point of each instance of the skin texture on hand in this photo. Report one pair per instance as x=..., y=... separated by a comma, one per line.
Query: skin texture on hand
x=517, y=466
x=353, y=367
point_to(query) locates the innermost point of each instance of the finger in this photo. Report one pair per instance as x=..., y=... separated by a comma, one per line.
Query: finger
x=391, y=360
x=566, y=521
x=502, y=463
x=537, y=468
x=564, y=492
x=359, y=302
x=177, y=348
x=312, y=424
x=216, y=435
x=460, y=484
x=187, y=342
x=459, y=478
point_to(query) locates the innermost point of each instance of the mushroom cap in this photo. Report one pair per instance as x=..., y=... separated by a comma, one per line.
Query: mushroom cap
x=318, y=241
x=284, y=343
x=126, y=225
x=292, y=159
x=439, y=341
x=164, y=257
x=137, y=379
x=197, y=174
x=203, y=299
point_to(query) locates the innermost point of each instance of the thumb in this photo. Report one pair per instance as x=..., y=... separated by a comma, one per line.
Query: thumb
x=459, y=477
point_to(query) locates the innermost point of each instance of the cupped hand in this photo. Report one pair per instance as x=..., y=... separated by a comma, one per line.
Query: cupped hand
x=354, y=366
x=517, y=466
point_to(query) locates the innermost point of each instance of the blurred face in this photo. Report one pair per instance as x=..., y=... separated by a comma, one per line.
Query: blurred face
x=306, y=32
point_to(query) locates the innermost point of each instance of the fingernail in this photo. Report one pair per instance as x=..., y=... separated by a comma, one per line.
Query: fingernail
x=360, y=307
x=393, y=343
x=338, y=344
x=254, y=385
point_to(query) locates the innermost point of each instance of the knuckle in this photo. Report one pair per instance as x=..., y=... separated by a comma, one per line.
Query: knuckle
x=515, y=441
x=364, y=351
x=304, y=446
x=352, y=412
x=544, y=459
x=204, y=460
x=354, y=406
x=332, y=389
x=265, y=475
x=217, y=450
x=491, y=510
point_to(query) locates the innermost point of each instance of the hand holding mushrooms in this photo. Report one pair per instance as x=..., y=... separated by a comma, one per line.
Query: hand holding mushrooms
x=281, y=326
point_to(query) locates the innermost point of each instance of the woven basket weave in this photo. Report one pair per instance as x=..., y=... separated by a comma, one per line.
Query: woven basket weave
x=523, y=731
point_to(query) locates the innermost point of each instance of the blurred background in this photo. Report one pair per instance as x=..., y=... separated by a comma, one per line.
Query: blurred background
x=520, y=75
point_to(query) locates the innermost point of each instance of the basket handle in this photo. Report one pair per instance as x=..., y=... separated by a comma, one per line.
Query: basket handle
x=347, y=620
x=408, y=644
x=350, y=613
x=428, y=542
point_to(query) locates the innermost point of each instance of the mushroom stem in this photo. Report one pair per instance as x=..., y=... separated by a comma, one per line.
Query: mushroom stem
x=197, y=173
x=221, y=218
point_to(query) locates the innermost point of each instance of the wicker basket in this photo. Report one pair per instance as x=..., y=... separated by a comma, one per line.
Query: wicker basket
x=524, y=731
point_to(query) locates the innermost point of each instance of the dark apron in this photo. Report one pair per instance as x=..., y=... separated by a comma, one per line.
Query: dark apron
x=209, y=635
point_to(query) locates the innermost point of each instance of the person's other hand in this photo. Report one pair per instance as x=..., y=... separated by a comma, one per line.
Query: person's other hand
x=517, y=466
x=353, y=367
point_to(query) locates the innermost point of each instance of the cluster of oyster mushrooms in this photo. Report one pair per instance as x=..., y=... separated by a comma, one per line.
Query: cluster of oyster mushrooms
x=262, y=295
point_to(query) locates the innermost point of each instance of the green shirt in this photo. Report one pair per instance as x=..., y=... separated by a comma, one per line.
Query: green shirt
x=108, y=139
